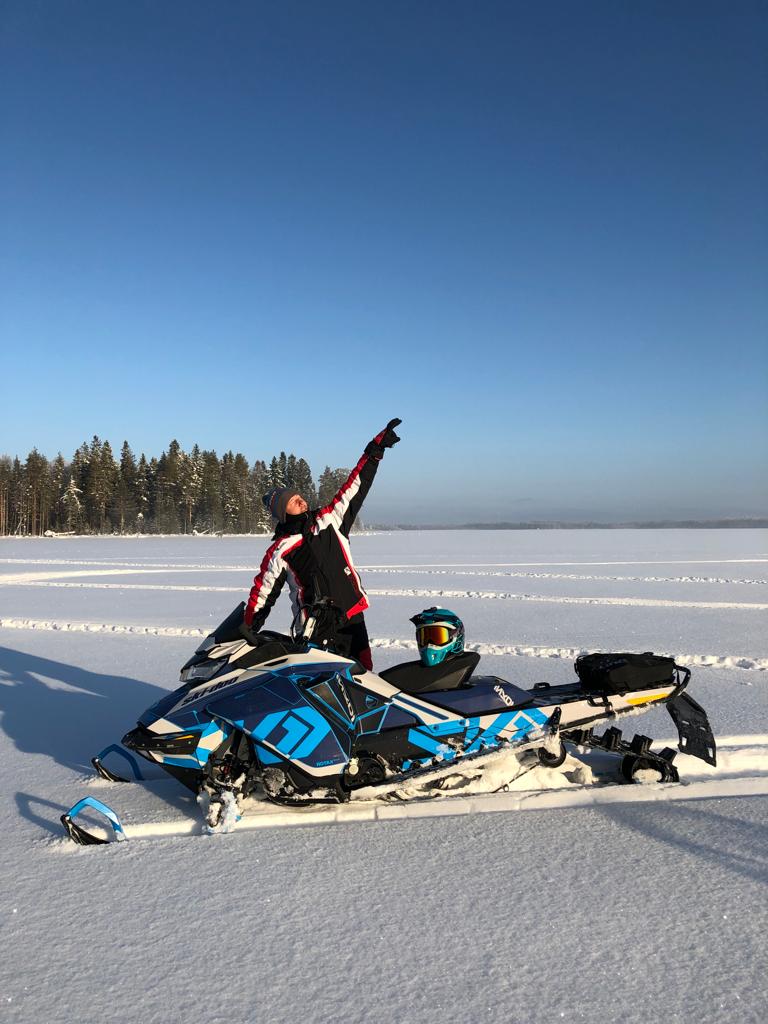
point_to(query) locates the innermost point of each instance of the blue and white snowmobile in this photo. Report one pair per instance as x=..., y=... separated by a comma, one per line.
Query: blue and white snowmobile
x=288, y=719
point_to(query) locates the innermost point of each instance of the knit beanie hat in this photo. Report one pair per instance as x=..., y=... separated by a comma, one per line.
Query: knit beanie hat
x=276, y=500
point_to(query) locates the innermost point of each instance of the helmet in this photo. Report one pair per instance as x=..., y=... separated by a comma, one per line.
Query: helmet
x=439, y=633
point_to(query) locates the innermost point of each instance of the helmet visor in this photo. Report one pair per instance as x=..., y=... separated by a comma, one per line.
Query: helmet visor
x=434, y=636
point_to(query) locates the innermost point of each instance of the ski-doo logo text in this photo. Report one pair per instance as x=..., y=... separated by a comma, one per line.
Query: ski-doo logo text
x=347, y=701
x=197, y=694
x=504, y=695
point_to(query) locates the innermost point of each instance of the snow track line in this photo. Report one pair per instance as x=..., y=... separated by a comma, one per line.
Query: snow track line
x=130, y=629
x=125, y=586
x=633, y=602
x=381, y=643
x=483, y=595
x=518, y=565
x=404, y=566
x=571, y=653
x=138, y=570
x=532, y=800
x=580, y=577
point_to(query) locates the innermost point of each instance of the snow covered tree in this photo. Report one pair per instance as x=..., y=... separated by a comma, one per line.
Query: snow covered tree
x=100, y=483
x=259, y=484
x=59, y=478
x=230, y=496
x=210, y=514
x=37, y=493
x=72, y=505
x=124, y=506
x=329, y=483
x=166, y=508
x=17, y=497
x=304, y=483
x=5, y=494
x=276, y=473
x=189, y=482
x=142, y=494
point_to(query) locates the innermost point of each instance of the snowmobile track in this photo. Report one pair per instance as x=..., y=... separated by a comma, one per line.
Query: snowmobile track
x=742, y=771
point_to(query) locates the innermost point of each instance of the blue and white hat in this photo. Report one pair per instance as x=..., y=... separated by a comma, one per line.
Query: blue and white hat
x=276, y=500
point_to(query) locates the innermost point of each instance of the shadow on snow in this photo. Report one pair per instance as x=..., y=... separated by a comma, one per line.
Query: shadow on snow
x=740, y=845
x=66, y=713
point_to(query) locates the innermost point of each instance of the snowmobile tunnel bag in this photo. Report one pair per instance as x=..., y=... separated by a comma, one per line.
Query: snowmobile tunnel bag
x=617, y=673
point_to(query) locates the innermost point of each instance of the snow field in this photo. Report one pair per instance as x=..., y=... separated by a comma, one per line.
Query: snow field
x=626, y=908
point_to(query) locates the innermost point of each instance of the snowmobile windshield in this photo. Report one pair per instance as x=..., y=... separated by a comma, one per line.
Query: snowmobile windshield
x=229, y=629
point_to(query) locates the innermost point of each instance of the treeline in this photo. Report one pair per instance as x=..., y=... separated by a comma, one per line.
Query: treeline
x=179, y=492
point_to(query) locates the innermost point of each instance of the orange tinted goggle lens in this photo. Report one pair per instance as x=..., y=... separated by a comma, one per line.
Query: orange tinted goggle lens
x=435, y=635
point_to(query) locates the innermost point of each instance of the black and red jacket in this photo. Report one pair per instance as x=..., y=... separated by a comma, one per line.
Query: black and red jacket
x=313, y=554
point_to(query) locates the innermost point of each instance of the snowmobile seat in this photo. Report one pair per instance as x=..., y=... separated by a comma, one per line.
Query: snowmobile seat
x=413, y=677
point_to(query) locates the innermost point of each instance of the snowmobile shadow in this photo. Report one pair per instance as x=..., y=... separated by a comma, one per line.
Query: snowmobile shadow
x=740, y=846
x=65, y=711
x=25, y=803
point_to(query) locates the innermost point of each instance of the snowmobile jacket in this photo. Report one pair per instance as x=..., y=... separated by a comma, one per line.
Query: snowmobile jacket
x=313, y=553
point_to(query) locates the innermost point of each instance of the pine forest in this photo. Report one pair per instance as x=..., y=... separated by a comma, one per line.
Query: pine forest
x=179, y=492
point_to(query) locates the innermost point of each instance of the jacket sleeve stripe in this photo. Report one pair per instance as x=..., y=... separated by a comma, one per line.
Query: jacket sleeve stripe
x=270, y=570
x=340, y=502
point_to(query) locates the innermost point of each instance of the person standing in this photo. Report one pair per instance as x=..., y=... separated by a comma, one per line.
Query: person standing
x=310, y=549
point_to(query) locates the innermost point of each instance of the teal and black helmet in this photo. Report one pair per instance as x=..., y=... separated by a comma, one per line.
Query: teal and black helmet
x=439, y=633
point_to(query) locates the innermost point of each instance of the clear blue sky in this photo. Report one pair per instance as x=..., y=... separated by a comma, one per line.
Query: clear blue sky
x=538, y=232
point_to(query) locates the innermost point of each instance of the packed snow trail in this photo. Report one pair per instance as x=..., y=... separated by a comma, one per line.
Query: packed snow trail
x=48, y=582
x=383, y=570
x=729, y=661
x=458, y=568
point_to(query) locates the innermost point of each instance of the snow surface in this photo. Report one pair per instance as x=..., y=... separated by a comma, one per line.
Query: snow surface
x=585, y=908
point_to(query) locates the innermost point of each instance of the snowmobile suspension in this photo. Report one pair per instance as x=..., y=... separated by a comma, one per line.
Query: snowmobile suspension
x=636, y=753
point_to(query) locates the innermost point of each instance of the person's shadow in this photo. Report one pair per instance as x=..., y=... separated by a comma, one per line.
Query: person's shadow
x=66, y=713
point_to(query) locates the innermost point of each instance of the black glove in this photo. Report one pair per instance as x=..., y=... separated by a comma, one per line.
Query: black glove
x=386, y=439
x=247, y=633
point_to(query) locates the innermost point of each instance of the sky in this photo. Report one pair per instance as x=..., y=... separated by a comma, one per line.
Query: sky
x=536, y=232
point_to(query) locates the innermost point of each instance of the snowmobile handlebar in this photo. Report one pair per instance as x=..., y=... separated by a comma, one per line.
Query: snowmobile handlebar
x=320, y=620
x=322, y=617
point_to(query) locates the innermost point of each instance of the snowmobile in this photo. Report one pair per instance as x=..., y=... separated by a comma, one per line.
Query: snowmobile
x=290, y=719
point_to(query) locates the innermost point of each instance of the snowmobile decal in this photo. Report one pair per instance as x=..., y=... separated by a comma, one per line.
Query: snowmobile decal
x=301, y=734
x=503, y=695
x=648, y=700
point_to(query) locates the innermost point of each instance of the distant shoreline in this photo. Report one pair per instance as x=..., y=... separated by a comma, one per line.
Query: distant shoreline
x=662, y=524
x=371, y=528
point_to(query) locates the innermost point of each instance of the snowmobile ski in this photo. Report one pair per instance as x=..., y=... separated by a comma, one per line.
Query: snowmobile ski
x=112, y=776
x=80, y=834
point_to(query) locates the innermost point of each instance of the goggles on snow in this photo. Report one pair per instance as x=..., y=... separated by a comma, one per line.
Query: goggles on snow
x=434, y=636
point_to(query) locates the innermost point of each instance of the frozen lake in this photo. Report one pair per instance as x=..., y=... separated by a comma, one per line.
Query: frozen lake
x=628, y=912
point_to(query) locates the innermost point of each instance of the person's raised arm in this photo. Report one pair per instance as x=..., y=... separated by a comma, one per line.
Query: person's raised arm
x=345, y=505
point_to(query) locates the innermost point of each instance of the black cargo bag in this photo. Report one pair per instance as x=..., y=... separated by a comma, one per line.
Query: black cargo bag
x=617, y=673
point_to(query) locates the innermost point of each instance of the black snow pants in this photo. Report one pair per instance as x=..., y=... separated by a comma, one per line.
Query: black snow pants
x=351, y=641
